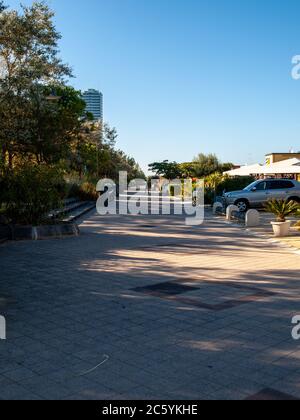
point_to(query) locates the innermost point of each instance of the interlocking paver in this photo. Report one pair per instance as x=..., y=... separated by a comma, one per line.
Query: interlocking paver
x=71, y=303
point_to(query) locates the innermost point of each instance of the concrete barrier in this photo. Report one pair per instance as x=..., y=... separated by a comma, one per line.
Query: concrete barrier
x=217, y=206
x=230, y=209
x=252, y=218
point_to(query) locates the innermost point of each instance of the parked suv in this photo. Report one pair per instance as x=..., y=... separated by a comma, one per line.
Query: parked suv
x=260, y=192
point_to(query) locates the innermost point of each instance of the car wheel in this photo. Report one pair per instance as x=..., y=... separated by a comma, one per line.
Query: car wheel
x=242, y=205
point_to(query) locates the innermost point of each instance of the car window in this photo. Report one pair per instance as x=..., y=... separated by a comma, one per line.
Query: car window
x=287, y=184
x=279, y=185
x=249, y=187
x=261, y=186
x=273, y=185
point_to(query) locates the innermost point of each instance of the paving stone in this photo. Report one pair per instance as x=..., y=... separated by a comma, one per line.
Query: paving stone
x=216, y=324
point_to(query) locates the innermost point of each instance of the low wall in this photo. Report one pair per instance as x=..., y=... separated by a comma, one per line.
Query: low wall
x=5, y=233
x=18, y=233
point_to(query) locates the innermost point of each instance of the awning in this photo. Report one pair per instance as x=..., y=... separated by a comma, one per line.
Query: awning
x=290, y=167
x=286, y=167
x=245, y=170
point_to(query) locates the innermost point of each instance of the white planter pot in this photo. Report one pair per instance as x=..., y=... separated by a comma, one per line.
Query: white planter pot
x=281, y=229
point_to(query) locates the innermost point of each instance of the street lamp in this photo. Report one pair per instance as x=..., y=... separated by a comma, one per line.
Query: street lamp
x=53, y=97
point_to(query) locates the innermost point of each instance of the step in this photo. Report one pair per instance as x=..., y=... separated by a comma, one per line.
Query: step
x=69, y=208
x=76, y=214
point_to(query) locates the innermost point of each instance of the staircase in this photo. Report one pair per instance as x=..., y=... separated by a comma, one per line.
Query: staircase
x=73, y=210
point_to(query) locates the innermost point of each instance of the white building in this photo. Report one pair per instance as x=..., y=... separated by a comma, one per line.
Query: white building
x=94, y=103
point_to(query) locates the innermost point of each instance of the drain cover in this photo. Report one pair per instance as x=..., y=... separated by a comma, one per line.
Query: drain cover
x=165, y=289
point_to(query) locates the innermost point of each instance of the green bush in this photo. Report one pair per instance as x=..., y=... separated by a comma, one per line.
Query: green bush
x=30, y=192
x=88, y=192
x=73, y=191
x=216, y=184
x=234, y=184
x=212, y=183
x=85, y=192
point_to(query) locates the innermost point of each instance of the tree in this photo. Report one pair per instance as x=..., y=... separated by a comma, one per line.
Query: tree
x=45, y=133
x=2, y=6
x=29, y=49
x=94, y=154
x=187, y=170
x=28, y=60
x=227, y=167
x=54, y=123
x=206, y=164
x=110, y=135
x=166, y=169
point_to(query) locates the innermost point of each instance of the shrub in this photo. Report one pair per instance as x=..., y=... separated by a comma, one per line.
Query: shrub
x=88, y=192
x=234, y=184
x=85, y=191
x=212, y=183
x=73, y=191
x=30, y=192
x=216, y=184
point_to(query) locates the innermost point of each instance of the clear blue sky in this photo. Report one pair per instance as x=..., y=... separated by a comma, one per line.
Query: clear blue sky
x=181, y=77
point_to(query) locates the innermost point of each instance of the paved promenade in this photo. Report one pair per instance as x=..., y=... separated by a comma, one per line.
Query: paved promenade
x=148, y=308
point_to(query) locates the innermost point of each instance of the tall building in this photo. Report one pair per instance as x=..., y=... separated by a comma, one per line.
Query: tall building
x=94, y=103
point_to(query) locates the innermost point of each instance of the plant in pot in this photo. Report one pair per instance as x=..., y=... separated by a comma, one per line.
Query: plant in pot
x=281, y=209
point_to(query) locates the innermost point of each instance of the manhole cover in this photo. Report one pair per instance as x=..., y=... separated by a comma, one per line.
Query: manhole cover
x=165, y=289
x=211, y=295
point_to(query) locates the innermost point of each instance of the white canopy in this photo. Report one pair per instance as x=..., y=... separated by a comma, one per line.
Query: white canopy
x=285, y=167
x=290, y=166
x=245, y=170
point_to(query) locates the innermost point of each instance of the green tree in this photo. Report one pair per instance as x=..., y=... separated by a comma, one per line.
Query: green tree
x=110, y=135
x=226, y=167
x=187, y=170
x=55, y=123
x=166, y=169
x=94, y=154
x=206, y=164
x=28, y=60
x=2, y=6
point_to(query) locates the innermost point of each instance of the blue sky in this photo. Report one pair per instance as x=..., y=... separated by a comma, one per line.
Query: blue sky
x=180, y=77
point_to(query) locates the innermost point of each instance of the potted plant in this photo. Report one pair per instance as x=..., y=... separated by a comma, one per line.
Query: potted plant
x=281, y=209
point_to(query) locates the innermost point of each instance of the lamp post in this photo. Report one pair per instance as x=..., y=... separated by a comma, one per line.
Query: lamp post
x=53, y=97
